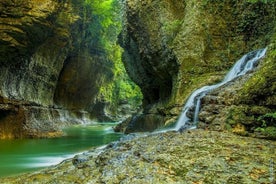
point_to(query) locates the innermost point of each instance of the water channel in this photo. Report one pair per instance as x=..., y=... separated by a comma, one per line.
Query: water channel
x=24, y=155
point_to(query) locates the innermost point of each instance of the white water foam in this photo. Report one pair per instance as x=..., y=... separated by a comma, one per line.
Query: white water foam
x=241, y=67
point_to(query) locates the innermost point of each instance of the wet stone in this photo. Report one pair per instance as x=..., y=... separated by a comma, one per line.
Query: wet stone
x=80, y=161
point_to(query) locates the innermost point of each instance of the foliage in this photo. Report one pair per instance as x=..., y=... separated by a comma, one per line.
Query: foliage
x=268, y=125
x=105, y=29
x=261, y=87
x=257, y=19
x=105, y=26
x=244, y=119
x=260, y=1
x=240, y=114
x=267, y=132
x=172, y=28
x=122, y=89
x=253, y=19
x=268, y=119
x=252, y=119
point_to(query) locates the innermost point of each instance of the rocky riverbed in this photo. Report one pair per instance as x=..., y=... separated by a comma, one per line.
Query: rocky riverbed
x=193, y=157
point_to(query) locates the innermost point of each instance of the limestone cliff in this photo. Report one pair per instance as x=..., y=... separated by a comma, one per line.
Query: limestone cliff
x=172, y=47
x=50, y=69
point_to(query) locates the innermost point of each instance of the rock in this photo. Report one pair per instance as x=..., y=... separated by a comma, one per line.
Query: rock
x=79, y=161
x=174, y=47
x=121, y=127
x=196, y=156
x=143, y=123
x=236, y=108
x=49, y=68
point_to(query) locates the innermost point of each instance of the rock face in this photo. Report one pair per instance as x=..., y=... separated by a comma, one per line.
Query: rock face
x=50, y=70
x=192, y=157
x=173, y=47
x=247, y=105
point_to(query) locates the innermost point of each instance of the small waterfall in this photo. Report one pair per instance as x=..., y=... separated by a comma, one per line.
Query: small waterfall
x=241, y=67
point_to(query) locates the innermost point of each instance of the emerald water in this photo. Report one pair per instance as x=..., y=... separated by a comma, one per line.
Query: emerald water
x=19, y=156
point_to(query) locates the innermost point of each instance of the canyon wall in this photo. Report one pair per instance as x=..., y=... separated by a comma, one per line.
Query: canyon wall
x=173, y=47
x=50, y=68
x=53, y=63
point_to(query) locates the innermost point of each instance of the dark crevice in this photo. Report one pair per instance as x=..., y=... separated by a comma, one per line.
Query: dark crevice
x=4, y=114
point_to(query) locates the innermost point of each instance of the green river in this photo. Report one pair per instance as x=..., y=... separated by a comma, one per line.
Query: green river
x=24, y=155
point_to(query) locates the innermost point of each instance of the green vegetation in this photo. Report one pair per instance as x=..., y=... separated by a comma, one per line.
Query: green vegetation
x=268, y=119
x=106, y=22
x=253, y=19
x=254, y=14
x=105, y=29
x=252, y=119
x=258, y=93
x=268, y=125
x=172, y=28
x=122, y=89
x=261, y=88
x=260, y=1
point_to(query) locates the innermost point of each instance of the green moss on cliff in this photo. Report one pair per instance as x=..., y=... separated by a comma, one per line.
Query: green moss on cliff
x=107, y=26
x=246, y=117
x=174, y=47
x=261, y=88
x=253, y=19
x=267, y=128
x=215, y=34
x=121, y=90
x=255, y=102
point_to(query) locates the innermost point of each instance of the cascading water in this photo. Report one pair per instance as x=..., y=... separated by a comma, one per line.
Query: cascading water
x=241, y=67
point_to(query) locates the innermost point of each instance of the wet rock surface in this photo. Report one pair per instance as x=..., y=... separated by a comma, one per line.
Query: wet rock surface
x=174, y=47
x=240, y=105
x=50, y=73
x=194, y=156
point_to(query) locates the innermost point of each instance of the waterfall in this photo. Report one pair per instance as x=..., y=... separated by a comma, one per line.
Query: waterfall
x=241, y=67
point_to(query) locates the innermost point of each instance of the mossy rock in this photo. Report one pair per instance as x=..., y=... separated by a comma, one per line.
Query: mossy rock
x=267, y=132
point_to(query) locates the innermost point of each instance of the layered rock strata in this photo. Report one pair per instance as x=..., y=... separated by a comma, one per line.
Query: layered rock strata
x=50, y=71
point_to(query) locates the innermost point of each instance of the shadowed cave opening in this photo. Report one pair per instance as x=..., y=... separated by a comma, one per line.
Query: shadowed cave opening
x=4, y=114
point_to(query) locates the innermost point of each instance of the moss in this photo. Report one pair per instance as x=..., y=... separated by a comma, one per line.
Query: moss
x=268, y=119
x=193, y=82
x=255, y=104
x=228, y=127
x=236, y=115
x=107, y=24
x=267, y=126
x=251, y=120
x=171, y=28
x=245, y=119
x=261, y=88
x=266, y=132
x=196, y=156
x=256, y=19
x=235, y=179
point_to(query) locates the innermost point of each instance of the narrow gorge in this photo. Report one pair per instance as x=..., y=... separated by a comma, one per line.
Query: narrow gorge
x=192, y=83
x=56, y=71
x=174, y=47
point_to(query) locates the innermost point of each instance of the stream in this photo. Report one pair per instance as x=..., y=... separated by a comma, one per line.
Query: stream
x=244, y=65
x=24, y=155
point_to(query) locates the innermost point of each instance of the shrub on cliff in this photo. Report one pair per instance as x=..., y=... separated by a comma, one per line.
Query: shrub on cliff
x=107, y=26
